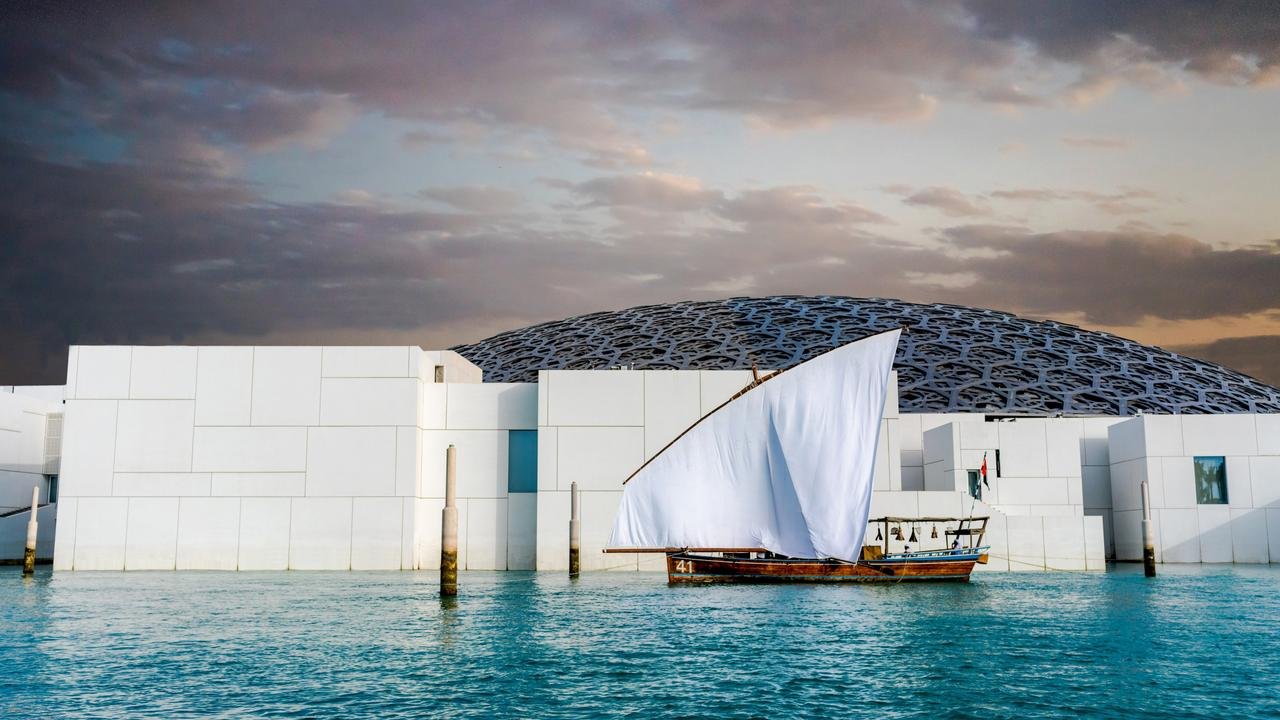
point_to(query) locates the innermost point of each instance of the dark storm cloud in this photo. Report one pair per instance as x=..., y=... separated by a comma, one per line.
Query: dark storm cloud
x=1258, y=355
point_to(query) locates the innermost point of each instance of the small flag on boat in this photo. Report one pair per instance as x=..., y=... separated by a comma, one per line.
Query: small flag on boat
x=985, y=484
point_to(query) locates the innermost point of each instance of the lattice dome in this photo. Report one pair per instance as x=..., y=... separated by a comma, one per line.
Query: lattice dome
x=955, y=358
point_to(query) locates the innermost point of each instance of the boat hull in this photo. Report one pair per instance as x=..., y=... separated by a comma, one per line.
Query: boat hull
x=693, y=569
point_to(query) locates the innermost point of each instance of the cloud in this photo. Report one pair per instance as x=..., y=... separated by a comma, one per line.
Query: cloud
x=479, y=198
x=1116, y=278
x=950, y=202
x=1128, y=201
x=1096, y=143
x=1257, y=355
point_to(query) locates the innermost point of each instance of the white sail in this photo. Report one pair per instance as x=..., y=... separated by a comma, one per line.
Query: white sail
x=786, y=466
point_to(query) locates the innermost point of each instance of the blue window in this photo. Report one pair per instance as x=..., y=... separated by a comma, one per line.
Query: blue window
x=1211, y=480
x=522, y=461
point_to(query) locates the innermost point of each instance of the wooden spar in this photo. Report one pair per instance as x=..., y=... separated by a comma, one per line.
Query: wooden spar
x=750, y=386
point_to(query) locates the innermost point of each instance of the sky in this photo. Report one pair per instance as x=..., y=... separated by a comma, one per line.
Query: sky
x=435, y=173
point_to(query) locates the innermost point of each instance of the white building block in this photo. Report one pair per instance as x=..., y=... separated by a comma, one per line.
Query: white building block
x=1026, y=542
x=1064, y=543
x=943, y=504
x=1023, y=451
x=487, y=534
x=1215, y=533
x=671, y=405
x=1219, y=435
x=599, y=458
x=1126, y=480
x=911, y=437
x=1268, y=427
x=427, y=529
x=548, y=455
x=1095, y=548
x=249, y=449
x=1126, y=531
x=1093, y=445
x=408, y=533
x=942, y=445
x=1239, y=484
x=598, y=512
x=286, y=386
x=320, y=534
x=100, y=533
x=154, y=435
x=595, y=397
x=1034, y=491
x=542, y=397
x=1096, y=486
x=1273, y=533
x=408, y=461
x=720, y=385
x=208, y=533
x=553, y=531
x=161, y=484
x=163, y=373
x=376, y=530
x=1126, y=440
x=435, y=397
x=1178, y=482
x=895, y=504
x=522, y=531
x=1264, y=473
x=481, y=457
x=1062, y=446
x=259, y=484
x=88, y=448
x=1249, y=536
x=880, y=470
x=73, y=373
x=103, y=372
x=152, y=537
x=492, y=406
x=997, y=539
x=369, y=401
x=65, y=545
x=913, y=478
x=1163, y=435
x=366, y=362
x=351, y=461
x=224, y=385
x=1179, y=536
x=978, y=435
x=264, y=533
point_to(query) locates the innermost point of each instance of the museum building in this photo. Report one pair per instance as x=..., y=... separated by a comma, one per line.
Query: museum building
x=183, y=457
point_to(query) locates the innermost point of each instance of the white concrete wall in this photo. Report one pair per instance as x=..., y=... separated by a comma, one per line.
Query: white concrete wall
x=1160, y=449
x=244, y=457
x=24, y=419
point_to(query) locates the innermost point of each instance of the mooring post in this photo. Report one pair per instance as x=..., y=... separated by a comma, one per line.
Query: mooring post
x=449, y=527
x=1148, y=534
x=29, y=554
x=575, y=530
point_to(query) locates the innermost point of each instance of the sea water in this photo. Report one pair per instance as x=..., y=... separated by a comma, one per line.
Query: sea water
x=1197, y=641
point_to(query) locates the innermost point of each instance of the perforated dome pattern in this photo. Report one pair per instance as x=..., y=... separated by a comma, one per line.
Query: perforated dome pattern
x=955, y=358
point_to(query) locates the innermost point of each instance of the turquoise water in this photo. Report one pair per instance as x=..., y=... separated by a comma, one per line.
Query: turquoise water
x=1195, y=642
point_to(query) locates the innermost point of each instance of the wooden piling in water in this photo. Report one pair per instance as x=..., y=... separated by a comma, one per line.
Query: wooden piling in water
x=449, y=527
x=575, y=531
x=29, y=553
x=1148, y=534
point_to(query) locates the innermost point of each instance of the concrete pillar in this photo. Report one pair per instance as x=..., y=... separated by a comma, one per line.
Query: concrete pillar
x=1148, y=534
x=575, y=531
x=29, y=554
x=449, y=527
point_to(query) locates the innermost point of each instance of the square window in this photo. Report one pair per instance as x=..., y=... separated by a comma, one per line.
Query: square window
x=1211, y=480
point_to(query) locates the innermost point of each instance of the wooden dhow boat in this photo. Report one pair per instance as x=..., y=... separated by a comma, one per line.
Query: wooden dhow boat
x=774, y=485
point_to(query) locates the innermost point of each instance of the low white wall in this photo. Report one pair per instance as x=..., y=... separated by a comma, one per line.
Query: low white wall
x=24, y=420
x=1160, y=449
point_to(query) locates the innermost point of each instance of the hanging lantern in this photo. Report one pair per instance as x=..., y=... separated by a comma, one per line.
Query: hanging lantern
x=878, y=535
x=913, y=534
x=935, y=532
